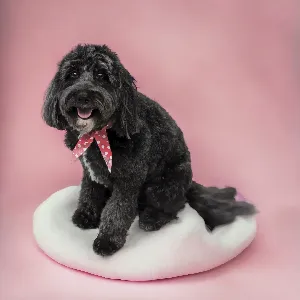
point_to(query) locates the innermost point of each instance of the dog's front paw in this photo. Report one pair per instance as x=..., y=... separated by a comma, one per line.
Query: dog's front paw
x=85, y=219
x=107, y=245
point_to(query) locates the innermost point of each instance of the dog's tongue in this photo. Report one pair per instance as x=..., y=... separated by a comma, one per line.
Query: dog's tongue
x=84, y=113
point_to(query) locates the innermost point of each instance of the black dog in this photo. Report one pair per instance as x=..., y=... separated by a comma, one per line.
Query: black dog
x=151, y=173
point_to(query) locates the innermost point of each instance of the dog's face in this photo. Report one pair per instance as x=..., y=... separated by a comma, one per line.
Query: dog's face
x=90, y=90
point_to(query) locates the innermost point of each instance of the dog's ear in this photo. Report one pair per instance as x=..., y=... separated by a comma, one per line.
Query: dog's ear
x=127, y=122
x=51, y=111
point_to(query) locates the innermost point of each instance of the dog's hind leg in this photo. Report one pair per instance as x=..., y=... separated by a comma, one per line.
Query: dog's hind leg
x=164, y=197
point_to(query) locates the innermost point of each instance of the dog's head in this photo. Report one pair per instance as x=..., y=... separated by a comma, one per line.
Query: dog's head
x=90, y=90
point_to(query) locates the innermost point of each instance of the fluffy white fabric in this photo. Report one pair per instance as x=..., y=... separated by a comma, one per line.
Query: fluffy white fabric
x=182, y=247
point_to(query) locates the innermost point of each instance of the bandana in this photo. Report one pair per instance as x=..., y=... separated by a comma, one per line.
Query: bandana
x=101, y=138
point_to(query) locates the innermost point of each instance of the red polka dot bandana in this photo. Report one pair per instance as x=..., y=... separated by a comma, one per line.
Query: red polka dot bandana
x=103, y=143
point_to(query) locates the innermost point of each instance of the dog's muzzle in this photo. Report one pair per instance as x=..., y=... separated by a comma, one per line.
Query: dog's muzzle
x=84, y=101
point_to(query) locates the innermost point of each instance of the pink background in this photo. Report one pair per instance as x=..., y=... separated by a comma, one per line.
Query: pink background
x=226, y=70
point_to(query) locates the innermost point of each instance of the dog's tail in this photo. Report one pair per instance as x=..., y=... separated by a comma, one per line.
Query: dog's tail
x=217, y=206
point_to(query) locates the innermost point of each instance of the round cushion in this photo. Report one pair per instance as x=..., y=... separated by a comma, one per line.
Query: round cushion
x=182, y=247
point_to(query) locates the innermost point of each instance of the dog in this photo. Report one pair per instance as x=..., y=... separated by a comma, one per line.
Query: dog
x=151, y=175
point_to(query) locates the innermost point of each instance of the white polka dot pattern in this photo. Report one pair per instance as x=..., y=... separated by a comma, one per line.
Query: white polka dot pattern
x=103, y=143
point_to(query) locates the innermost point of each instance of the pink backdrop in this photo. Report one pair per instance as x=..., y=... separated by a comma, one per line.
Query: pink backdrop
x=226, y=70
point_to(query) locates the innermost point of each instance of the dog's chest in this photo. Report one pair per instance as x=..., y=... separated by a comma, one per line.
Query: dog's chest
x=90, y=169
x=94, y=163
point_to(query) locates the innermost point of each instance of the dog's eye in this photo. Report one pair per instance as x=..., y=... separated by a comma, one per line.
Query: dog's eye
x=74, y=74
x=99, y=75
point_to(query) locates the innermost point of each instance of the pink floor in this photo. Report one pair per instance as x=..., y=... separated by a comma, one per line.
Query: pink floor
x=226, y=70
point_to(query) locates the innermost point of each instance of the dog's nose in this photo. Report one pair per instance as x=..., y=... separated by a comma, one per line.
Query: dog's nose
x=83, y=98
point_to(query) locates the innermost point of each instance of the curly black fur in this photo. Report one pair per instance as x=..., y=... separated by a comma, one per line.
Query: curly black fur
x=151, y=174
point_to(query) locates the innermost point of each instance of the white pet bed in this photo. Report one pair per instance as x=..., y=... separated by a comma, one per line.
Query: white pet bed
x=180, y=248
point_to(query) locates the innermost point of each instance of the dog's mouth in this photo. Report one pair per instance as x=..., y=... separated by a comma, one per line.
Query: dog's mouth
x=84, y=113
